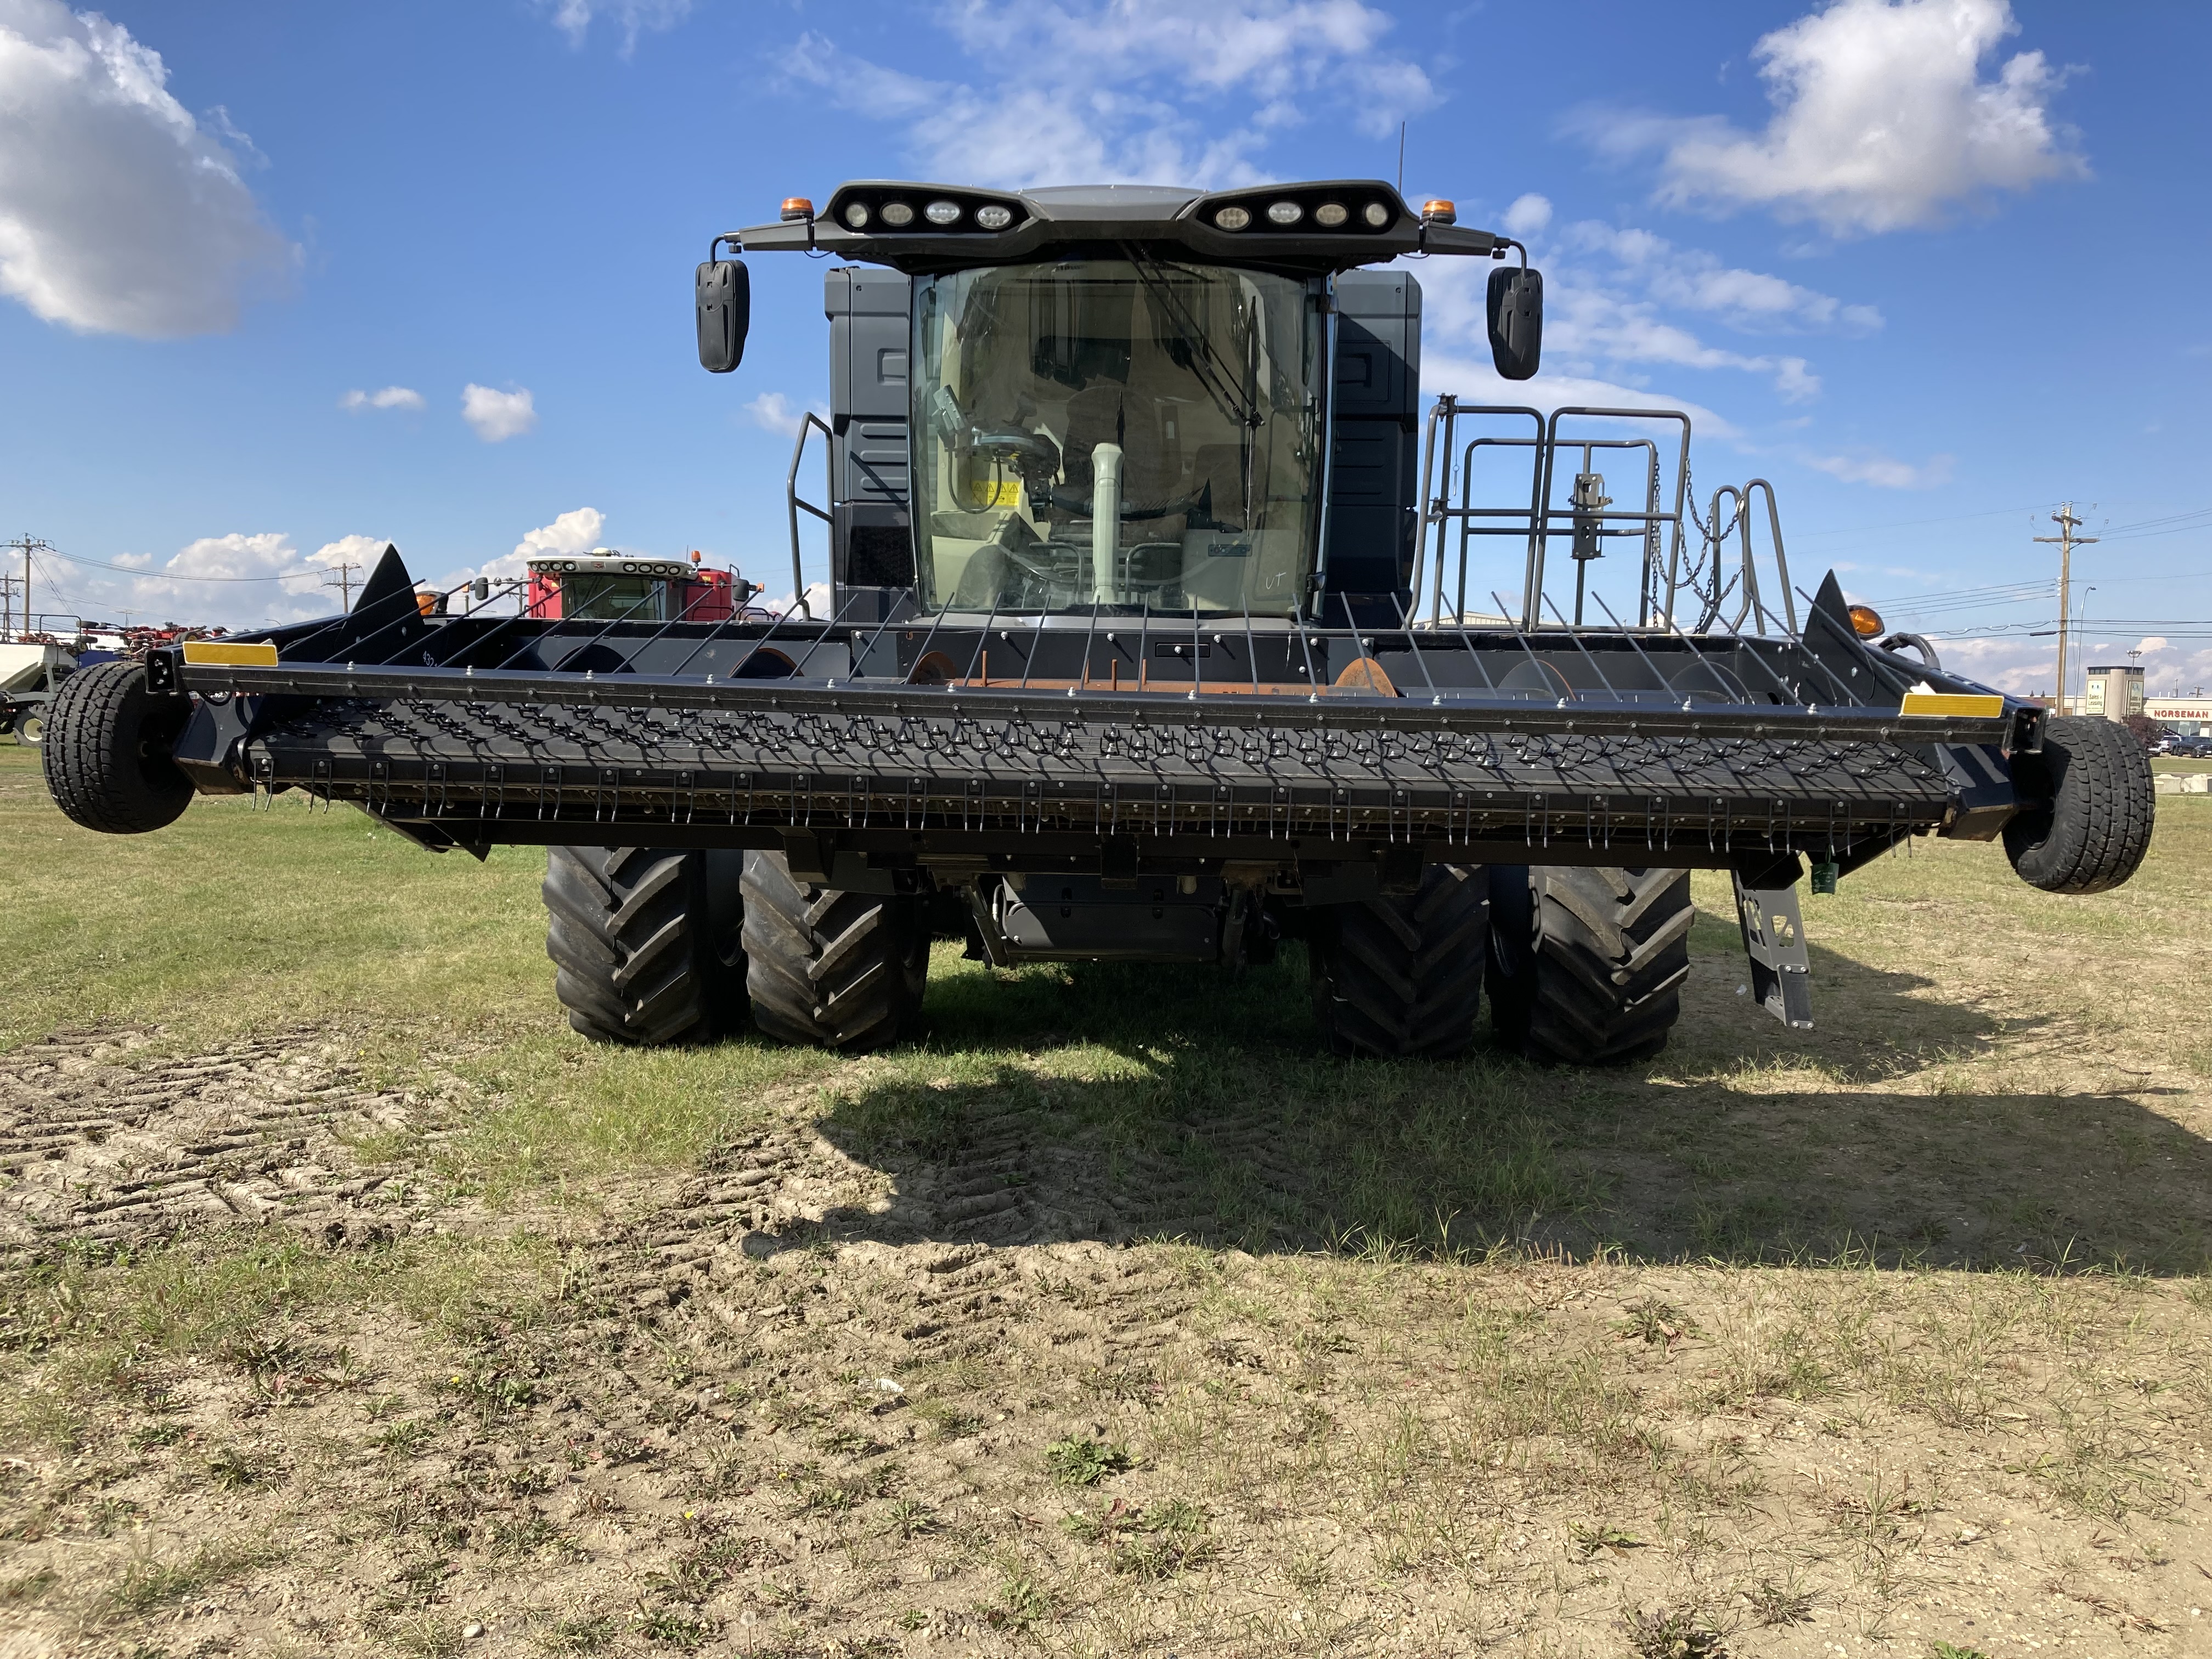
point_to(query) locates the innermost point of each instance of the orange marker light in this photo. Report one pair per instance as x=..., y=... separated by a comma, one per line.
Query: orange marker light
x=798, y=207
x=1866, y=621
x=1438, y=211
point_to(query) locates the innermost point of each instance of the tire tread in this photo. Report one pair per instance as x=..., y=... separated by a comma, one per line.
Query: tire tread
x=1598, y=980
x=828, y=968
x=1401, y=977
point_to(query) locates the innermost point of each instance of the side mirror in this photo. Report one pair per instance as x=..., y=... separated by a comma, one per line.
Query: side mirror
x=1516, y=320
x=725, y=311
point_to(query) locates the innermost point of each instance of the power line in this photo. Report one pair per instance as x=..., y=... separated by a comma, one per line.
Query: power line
x=1908, y=524
x=150, y=574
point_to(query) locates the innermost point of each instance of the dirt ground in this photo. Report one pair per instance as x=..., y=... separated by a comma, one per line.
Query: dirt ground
x=1111, y=1321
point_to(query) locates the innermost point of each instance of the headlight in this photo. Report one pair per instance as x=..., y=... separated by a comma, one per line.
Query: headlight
x=942, y=213
x=1232, y=218
x=898, y=215
x=857, y=215
x=992, y=216
x=1377, y=214
x=1330, y=215
x=1285, y=213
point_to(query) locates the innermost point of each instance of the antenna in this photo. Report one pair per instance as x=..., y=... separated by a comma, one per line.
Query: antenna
x=1401, y=158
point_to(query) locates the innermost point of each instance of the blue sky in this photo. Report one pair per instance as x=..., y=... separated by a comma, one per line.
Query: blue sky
x=278, y=282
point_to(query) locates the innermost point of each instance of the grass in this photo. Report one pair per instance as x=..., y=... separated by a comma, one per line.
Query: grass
x=1077, y=1463
x=1780, y=1333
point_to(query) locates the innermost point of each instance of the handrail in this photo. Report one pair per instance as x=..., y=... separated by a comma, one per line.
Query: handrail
x=809, y=420
x=1537, y=520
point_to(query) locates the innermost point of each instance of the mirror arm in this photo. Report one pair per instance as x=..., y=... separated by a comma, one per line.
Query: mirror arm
x=737, y=241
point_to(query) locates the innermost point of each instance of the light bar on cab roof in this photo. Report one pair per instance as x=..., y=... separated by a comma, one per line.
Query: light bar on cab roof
x=612, y=564
x=921, y=210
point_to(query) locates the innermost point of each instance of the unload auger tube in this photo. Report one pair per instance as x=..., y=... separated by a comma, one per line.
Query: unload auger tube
x=1129, y=656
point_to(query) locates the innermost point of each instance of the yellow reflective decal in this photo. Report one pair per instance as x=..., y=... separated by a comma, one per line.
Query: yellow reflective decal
x=224, y=653
x=995, y=492
x=1953, y=705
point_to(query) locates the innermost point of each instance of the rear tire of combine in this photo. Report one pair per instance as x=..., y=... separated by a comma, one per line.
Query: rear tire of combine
x=1401, y=978
x=831, y=969
x=107, y=751
x=2095, y=827
x=648, y=941
x=1587, y=964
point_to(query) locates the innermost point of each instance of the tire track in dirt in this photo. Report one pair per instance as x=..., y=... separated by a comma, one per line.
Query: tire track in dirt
x=1010, y=1239
x=103, y=1138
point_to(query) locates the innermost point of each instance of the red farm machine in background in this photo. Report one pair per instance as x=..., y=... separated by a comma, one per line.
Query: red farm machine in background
x=603, y=584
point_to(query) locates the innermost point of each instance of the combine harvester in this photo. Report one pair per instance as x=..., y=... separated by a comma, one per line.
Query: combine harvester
x=1161, y=627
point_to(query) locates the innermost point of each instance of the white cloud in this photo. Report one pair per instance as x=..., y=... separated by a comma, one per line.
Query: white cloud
x=1694, y=280
x=821, y=603
x=1475, y=379
x=774, y=412
x=575, y=18
x=1605, y=296
x=2013, y=663
x=1883, y=120
x=362, y=550
x=119, y=213
x=498, y=416
x=392, y=397
x=1094, y=102
x=579, y=530
x=571, y=532
x=224, y=578
x=1883, y=471
x=1529, y=215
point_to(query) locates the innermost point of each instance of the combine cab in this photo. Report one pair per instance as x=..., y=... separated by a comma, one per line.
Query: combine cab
x=603, y=584
x=1163, y=625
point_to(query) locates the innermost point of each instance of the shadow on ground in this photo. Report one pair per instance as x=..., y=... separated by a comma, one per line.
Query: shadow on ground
x=1210, y=1116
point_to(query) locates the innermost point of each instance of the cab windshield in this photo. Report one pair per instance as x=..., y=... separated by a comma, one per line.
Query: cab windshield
x=1126, y=434
x=588, y=597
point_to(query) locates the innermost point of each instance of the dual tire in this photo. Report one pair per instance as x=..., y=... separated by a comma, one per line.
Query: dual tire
x=655, y=945
x=1583, y=966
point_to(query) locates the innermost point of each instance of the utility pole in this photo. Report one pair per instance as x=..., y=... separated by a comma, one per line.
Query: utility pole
x=343, y=573
x=7, y=604
x=28, y=545
x=2066, y=541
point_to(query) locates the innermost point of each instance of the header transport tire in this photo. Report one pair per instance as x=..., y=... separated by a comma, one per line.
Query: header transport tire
x=2093, y=826
x=647, y=942
x=831, y=969
x=1401, y=978
x=107, y=747
x=1587, y=964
